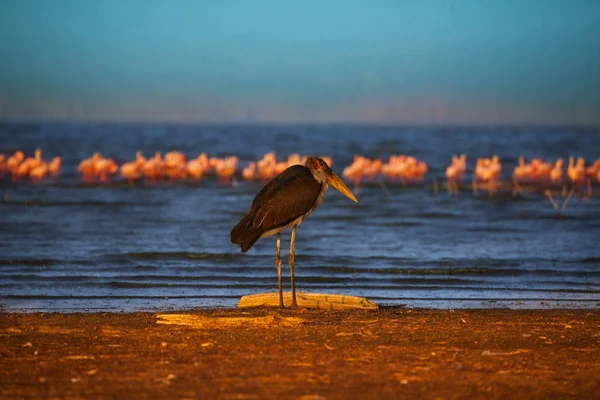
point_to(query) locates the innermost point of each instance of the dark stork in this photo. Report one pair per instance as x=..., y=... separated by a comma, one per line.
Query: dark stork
x=284, y=202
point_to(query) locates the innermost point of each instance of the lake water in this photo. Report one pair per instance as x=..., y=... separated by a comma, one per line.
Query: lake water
x=68, y=246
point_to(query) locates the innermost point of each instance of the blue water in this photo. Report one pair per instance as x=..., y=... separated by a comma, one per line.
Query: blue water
x=69, y=246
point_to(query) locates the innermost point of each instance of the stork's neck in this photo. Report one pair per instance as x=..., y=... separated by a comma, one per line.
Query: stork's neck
x=319, y=177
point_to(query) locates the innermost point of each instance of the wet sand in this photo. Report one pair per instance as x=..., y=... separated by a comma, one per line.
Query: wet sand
x=304, y=354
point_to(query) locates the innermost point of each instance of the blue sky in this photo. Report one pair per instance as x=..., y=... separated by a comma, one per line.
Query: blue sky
x=421, y=61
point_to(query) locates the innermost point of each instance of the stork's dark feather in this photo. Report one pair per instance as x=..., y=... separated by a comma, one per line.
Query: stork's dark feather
x=289, y=196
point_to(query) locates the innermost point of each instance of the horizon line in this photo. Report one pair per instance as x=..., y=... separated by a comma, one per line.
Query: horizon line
x=235, y=122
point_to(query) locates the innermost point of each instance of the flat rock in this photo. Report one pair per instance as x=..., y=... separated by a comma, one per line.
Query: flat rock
x=308, y=300
x=202, y=322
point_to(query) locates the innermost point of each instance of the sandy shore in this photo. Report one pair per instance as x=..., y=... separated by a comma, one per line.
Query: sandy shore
x=305, y=354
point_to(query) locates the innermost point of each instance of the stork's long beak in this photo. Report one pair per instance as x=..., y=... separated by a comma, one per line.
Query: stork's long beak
x=337, y=183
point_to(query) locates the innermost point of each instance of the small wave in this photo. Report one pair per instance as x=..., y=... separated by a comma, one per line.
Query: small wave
x=175, y=255
x=374, y=282
x=492, y=229
x=590, y=260
x=43, y=262
x=483, y=299
x=466, y=271
x=550, y=215
x=117, y=297
x=148, y=285
x=56, y=278
x=437, y=215
x=28, y=261
x=44, y=203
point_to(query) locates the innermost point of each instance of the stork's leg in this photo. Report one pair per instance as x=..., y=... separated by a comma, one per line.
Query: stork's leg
x=291, y=261
x=278, y=263
x=589, y=187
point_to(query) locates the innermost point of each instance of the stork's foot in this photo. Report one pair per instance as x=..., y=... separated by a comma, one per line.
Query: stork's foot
x=294, y=304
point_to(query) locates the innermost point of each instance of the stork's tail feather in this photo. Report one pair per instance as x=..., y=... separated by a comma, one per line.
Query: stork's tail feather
x=243, y=234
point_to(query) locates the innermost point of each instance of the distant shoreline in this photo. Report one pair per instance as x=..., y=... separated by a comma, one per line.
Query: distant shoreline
x=308, y=124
